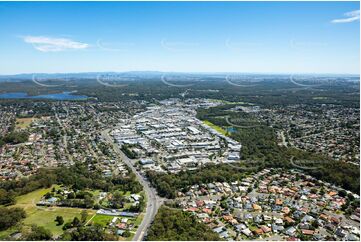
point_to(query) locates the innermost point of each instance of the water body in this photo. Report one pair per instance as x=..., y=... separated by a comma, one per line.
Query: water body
x=231, y=130
x=56, y=96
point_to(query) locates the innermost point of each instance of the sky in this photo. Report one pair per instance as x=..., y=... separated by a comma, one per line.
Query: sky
x=249, y=37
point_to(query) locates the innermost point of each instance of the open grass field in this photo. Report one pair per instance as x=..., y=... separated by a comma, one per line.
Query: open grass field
x=23, y=123
x=102, y=219
x=213, y=126
x=45, y=216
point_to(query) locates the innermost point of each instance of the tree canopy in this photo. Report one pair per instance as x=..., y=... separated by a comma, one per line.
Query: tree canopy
x=174, y=224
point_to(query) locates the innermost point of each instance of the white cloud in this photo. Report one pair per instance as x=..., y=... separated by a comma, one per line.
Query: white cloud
x=48, y=44
x=349, y=17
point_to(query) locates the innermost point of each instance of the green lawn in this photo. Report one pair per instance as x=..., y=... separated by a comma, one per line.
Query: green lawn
x=102, y=219
x=213, y=126
x=44, y=216
x=106, y=219
x=139, y=219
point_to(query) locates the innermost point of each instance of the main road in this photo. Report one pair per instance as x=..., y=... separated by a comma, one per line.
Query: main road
x=153, y=200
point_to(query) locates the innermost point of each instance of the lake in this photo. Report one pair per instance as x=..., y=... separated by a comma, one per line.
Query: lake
x=231, y=130
x=55, y=96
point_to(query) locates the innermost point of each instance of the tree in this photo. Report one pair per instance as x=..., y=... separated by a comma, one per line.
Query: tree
x=71, y=195
x=76, y=222
x=174, y=224
x=6, y=198
x=67, y=225
x=315, y=224
x=59, y=220
x=39, y=233
x=313, y=190
x=88, y=233
x=126, y=234
x=48, y=195
x=88, y=201
x=10, y=216
x=342, y=193
x=16, y=137
x=84, y=215
x=117, y=200
x=350, y=197
x=224, y=204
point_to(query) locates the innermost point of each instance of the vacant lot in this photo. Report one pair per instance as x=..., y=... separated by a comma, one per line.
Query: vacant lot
x=23, y=123
x=45, y=216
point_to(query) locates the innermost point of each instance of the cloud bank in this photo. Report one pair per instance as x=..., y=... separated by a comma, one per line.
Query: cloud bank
x=349, y=17
x=48, y=44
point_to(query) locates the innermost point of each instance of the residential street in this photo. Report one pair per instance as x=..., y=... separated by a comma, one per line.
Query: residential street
x=153, y=200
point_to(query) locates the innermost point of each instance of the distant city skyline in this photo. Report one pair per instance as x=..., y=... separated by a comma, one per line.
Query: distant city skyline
x=242, y=37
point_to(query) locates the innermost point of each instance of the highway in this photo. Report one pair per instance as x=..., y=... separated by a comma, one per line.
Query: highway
x=153, y=200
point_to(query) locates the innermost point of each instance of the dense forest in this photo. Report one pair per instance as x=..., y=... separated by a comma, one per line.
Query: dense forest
x=88, y=233
x=342, y=174
x=10, y=216
x=258, y=142
x=168, y=184
x=77, y=176
x=270, y=91
x=14, y=138
x=174, y=224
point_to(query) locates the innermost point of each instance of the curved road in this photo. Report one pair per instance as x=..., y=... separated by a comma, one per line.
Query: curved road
x=153, y=201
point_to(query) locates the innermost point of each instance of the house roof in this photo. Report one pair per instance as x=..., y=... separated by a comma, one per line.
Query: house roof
x=259, y=231
x=122, y=226
x=265, y=229
x=308, y=232
x=256, y=207
x=289, y=220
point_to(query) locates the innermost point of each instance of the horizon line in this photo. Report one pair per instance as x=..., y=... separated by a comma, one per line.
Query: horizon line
x=184, y=72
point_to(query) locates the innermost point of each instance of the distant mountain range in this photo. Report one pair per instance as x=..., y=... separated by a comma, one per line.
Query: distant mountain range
x=157, y=74
x=83, y=75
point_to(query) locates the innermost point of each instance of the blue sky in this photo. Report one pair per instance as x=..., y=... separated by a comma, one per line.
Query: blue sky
x=262, y=37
